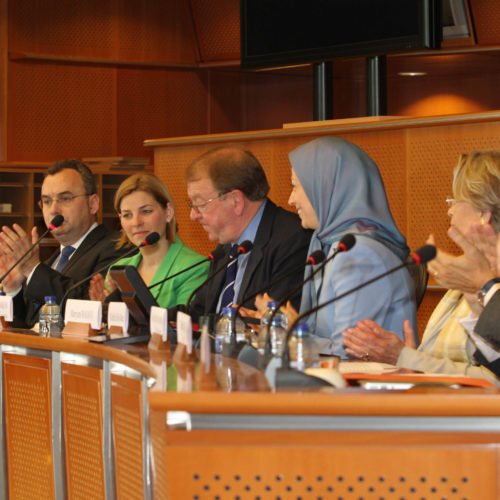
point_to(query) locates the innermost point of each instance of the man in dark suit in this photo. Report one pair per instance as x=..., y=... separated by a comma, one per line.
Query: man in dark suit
x=227, y=188
x=68, y=189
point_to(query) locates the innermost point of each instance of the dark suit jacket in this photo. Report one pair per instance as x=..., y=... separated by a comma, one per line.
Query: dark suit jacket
x=280, y=245
x=96, y=250
x=488, y=327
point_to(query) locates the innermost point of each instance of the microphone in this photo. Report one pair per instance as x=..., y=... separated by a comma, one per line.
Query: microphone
x=423, y=255
x=150, y=239
x=244, y=248
x=214, y=255
x=344, y=245
x=233, y=349
x=286, y=376
x=55, y=222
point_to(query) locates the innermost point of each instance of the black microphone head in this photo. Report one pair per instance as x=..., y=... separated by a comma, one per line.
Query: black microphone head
x=424, y=254
x=316, y=257
x=56, y=221
x=150, y=239
x=245, y=247
x=217, y=253
x=347, y=242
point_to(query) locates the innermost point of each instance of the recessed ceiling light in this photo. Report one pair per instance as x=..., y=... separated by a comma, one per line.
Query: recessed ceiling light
x=412, y=73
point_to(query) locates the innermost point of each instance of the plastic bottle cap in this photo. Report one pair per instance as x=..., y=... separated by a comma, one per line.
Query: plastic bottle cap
x=272, y=304
x=301, y=329
x=50, y=298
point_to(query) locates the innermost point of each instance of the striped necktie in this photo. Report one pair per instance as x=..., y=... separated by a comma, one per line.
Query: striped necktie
x=228, y=288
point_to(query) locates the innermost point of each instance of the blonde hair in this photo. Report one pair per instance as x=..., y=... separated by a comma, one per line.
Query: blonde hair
x=149, y=184
x=476, y=180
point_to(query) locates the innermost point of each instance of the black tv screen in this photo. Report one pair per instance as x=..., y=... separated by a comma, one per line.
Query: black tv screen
x=278, y=33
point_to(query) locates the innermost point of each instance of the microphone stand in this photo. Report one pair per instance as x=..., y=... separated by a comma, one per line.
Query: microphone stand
x=345, y=244
x=341, y=248
x=217, y=253
x=233, y=348
x=244, y=248
x=225, y=262
x=289, y=377
x=208, y=259
x=150, y=239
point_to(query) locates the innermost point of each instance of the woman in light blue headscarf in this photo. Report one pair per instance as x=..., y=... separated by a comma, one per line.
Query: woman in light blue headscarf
x=337, y=189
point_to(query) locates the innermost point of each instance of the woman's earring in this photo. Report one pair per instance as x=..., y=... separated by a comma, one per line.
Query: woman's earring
x=482, y=221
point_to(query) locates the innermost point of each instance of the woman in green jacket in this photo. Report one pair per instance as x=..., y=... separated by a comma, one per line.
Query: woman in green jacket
x=145, y=205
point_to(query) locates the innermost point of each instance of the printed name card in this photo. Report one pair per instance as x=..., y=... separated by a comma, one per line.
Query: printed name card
x=83, y=311
x=158, y=322
x=185, y=331
x=6, y=307
x=118, y=315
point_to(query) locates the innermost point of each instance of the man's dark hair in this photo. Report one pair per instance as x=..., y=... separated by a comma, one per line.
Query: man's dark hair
x=81, y=168
x=231, y=168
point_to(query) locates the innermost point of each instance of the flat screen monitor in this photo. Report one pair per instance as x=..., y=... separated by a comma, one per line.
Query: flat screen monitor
x=134, y=293
x=139, y=301
x=277, y=33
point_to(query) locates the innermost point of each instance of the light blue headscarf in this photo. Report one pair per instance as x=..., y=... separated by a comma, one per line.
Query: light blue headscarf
x=346, y=191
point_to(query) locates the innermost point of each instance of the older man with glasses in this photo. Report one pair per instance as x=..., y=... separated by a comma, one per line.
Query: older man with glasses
x=227, y=190
x=68, y=189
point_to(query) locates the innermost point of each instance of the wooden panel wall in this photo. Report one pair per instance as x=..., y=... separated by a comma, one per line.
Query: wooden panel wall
x=96, y=78
x=116, y=30
x=70, y=91
x=3, y=78
x=217, y=29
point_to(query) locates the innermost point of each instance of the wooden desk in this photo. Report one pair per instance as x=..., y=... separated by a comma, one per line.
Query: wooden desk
x=425, y=443
x=76, y=418
x=83, y=421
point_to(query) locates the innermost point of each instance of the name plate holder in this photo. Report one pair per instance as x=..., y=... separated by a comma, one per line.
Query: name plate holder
x=184, y=352
x=6, y=312
x=118, y=318
x=206, y=374
x=158, y=324
x=82, y=318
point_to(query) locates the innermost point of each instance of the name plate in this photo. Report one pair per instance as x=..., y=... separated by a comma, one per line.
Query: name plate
x=185, y=331
x=6, y=307
x=205, y=348
x=84, y=311
x=158, y=322
x=118, y=315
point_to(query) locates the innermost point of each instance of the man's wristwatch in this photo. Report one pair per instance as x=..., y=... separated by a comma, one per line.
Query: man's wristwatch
x=481, y=294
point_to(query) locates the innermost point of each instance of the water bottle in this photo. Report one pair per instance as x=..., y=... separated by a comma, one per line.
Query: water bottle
x=302, y=348
x=224, y=326
x=277, y=328
x=49, y=318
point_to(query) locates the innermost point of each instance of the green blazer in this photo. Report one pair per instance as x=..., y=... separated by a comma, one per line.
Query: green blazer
x=176, y=290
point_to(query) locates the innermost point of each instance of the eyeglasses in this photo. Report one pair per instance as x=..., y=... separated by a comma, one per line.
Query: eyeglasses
x=65, y=200
x=450, y=201
x=200, y=207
